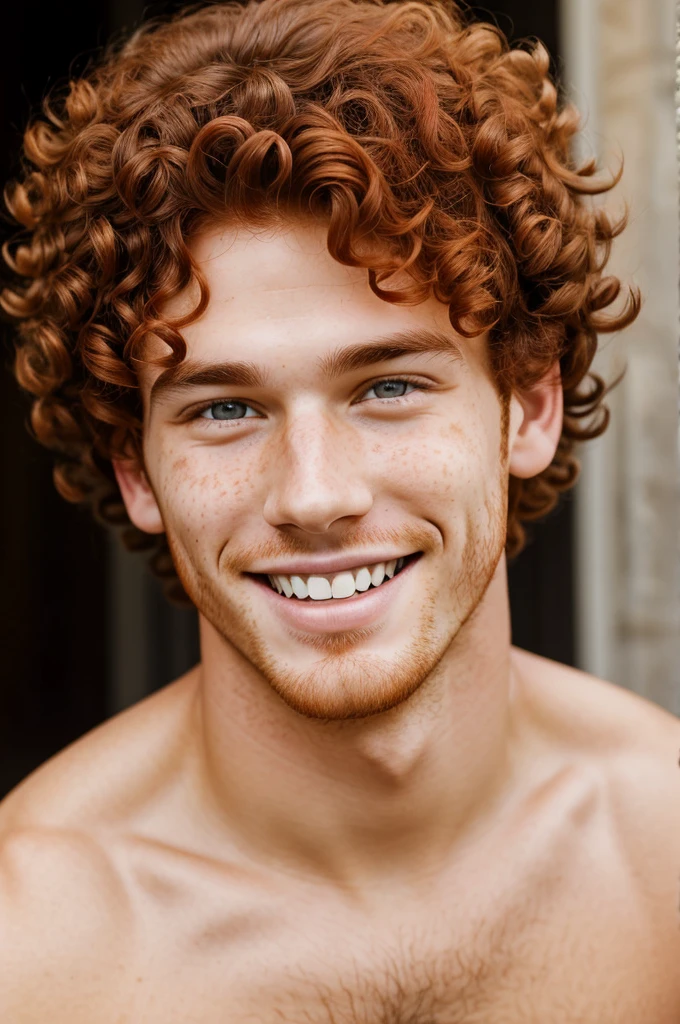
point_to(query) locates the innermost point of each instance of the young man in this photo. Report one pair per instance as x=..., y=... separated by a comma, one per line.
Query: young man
x=312, y=286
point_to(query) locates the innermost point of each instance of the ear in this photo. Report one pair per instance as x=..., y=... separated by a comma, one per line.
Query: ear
x=140, y=500
x=536, y=416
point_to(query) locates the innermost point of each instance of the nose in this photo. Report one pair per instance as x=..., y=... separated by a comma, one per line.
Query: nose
x=316, y=475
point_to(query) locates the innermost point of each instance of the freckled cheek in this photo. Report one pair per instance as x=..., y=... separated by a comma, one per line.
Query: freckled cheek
x=205, y=488
x=439, y=467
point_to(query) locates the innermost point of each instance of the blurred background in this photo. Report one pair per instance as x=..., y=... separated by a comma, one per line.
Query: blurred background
x=85, y=630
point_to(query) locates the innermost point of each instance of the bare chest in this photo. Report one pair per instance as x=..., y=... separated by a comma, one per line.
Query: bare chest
x=551, y=925
x=413, y=982
x=487, y=957
x=417, y=983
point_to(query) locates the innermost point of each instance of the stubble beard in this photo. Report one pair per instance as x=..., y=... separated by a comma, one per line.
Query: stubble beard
x=346, y=683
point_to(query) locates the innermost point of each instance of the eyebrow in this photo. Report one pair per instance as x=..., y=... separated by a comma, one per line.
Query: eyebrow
x=191, y=374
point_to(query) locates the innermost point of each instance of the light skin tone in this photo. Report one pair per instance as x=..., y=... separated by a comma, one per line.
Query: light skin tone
x=417, y=710
x=403, y=818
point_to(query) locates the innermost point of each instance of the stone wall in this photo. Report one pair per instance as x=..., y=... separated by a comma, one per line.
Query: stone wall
x=619, y=67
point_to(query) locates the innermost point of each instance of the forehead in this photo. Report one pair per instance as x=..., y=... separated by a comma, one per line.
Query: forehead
x=289, y=257
x=277, y=291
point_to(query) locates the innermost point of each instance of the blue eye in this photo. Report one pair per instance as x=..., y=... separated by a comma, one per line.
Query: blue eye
x=225, y=411
x=392, y=388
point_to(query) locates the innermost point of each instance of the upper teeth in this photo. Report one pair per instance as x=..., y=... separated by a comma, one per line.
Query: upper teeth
x=341, y=584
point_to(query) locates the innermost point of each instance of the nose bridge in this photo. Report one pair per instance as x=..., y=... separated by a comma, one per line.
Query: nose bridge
x=316, y=474
x=310, y=431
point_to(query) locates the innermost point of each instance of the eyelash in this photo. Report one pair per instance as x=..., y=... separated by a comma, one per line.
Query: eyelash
x=196, y=414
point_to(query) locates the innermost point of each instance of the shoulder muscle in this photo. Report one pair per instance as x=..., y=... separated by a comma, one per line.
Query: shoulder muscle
x=62, y=920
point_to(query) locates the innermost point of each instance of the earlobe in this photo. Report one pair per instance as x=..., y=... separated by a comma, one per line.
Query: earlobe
x=536, y=425
x=140, y=500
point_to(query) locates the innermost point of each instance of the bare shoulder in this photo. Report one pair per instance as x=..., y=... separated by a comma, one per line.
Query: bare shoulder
x=63, y=918
x=622, y=752
x=110, y=772
x=630, y=744
x=65, y=914
x=597, y=715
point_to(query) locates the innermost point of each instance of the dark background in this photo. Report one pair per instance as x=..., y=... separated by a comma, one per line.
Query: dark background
x=60, y=592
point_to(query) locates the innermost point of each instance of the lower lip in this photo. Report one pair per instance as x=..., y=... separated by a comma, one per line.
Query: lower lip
x=335, y=615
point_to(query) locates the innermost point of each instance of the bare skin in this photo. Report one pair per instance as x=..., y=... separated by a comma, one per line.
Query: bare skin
x=408, y=822
x=124, y=904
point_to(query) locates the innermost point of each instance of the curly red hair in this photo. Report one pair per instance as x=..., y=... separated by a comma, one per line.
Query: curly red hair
x=400, y=123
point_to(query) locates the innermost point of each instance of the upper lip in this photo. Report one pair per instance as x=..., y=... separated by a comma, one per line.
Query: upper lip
x=329, y=564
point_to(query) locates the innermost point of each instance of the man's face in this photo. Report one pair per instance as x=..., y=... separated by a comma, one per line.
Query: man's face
x=363, y=465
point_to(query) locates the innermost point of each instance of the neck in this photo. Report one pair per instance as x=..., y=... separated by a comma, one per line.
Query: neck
x=358, y=801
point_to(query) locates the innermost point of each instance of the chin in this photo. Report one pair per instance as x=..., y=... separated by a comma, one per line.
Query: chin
x=348, y=674
x=345, y=680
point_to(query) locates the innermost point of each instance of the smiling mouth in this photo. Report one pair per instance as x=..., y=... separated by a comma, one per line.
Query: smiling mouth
x=341, y=586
